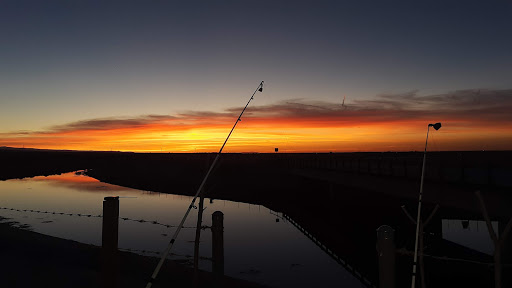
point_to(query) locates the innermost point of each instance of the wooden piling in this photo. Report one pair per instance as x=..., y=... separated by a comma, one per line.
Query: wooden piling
x=386, y=256
x=109, y=242
x=218, y=247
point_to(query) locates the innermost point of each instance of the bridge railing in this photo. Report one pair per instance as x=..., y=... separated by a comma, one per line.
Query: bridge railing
x=482, y=169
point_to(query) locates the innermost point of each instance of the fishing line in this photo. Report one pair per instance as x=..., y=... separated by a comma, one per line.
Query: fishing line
x=169, y=247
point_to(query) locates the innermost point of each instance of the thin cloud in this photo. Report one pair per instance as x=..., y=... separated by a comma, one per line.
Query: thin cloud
x=453, y=101
x=484, y=105
x=111, y=123
x=481, y=105
x=487, y=109
x=488, y=105
x=194, y=115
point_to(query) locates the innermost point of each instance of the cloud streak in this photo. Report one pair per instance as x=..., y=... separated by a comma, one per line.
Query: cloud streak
x=111, y=123
x=487, y=110
x=464, y=103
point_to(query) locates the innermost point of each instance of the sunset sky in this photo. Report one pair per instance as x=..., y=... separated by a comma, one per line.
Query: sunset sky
x=172, y=76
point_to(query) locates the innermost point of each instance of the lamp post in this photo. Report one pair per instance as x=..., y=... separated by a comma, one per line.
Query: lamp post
x=414, y=264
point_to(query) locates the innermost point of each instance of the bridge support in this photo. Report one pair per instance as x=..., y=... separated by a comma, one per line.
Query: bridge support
x=386, y=253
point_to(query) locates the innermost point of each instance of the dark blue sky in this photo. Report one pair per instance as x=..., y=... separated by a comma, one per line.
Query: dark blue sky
x=62, y=61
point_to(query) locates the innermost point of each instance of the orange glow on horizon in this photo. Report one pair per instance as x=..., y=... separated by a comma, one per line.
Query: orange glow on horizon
x=259, y=134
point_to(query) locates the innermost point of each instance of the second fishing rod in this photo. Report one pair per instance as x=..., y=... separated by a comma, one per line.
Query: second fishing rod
x=199, y=190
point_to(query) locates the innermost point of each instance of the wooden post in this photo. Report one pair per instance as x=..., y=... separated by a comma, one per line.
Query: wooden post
x=386, y=253
x=109, y=242
x=218, y=247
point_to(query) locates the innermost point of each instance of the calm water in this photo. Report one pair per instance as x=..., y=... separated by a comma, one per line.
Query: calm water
x=470, y=233
x=257, y=248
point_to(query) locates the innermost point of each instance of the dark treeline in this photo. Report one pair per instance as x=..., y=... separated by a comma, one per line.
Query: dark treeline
x=21, y=163
x=257, y=174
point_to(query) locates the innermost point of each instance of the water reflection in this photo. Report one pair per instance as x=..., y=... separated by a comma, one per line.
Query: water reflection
x=469, y=233
x=76, y=181
x=257, y=247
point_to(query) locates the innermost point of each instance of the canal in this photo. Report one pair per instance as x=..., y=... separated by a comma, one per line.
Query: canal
x=260, y=244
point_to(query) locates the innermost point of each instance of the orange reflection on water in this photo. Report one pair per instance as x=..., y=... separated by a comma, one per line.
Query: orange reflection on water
x=77, y=181
x=67, y=178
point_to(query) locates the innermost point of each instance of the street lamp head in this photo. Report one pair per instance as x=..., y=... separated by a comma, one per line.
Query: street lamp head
x=436, y=126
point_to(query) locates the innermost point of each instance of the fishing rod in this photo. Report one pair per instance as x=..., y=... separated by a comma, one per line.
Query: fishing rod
x=171, y=243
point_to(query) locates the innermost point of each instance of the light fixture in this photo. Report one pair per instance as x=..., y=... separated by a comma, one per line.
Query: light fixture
x=436, y=126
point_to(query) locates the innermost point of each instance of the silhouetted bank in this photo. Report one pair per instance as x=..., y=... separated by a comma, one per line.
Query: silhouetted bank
x=340, y=198
x=21, y=163
x=31, y=259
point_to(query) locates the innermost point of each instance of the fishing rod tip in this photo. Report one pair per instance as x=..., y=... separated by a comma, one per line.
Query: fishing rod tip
x=261, y=87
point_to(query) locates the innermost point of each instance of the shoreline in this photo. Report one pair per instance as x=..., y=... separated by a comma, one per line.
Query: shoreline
x=31, y=259
x=274, y=181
